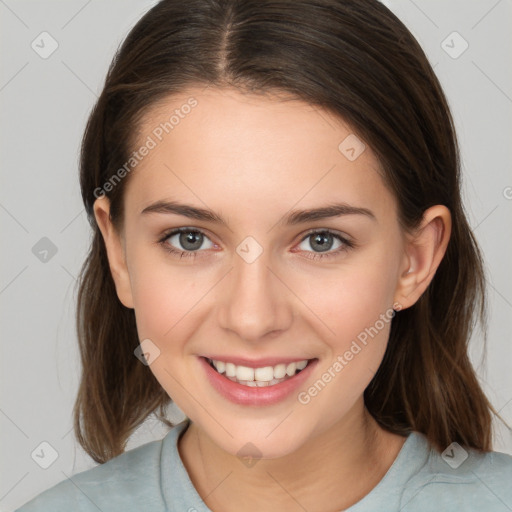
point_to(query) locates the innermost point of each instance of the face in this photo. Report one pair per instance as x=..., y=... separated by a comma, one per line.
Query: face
x=265, y=282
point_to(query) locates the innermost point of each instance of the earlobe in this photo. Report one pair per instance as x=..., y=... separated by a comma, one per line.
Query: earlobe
x=424, y=252
x=115, y=251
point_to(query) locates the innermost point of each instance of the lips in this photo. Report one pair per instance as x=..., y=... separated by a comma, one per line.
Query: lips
x=256, y=396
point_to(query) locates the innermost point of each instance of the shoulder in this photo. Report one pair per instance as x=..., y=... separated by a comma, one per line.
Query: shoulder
x=461, y=478
x=130, y=481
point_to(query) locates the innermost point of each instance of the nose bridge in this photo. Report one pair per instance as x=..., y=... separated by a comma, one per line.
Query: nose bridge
x=255, y=302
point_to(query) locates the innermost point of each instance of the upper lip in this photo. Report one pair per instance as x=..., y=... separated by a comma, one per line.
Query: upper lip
x=257, y=363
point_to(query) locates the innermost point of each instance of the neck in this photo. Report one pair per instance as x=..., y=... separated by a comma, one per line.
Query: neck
x=337, y=467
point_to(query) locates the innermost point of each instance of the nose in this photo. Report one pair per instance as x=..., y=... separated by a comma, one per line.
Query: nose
x=255, y=302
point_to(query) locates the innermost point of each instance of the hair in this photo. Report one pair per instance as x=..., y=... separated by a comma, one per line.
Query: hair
x=355, y=59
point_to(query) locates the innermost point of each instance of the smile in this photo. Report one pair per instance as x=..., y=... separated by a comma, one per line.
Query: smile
x=258, y=377
x=241, y=384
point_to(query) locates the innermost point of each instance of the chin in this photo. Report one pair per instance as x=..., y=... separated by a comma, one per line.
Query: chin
x=256, y=443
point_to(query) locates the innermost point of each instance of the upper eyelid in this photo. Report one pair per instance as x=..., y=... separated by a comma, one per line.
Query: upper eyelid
x=185, y=229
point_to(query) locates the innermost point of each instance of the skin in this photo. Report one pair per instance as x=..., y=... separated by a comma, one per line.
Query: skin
x=252, y=159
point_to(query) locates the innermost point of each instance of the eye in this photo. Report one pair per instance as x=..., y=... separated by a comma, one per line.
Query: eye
x=321, y=241
x=185, y=242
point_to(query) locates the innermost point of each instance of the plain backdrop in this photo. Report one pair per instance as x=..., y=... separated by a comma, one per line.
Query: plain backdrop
x=46, y=92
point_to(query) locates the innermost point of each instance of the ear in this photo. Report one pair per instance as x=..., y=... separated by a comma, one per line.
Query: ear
x=424, y=251
x=114, y=244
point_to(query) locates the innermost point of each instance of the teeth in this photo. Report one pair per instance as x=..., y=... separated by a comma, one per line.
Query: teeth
x=257, y=383
x=230, y=369
x=259, y=376
x=301, y=365
x=244, y=373
x=279, y=371
x=262, y=374
x=290, y=369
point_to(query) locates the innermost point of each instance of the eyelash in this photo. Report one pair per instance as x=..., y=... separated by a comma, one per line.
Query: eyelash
x=347, y=244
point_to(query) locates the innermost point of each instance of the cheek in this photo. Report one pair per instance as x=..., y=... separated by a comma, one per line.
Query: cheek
x=164, y=300
x=163, y=295
x=350, y=300
x=360, y=320
x=354, y=309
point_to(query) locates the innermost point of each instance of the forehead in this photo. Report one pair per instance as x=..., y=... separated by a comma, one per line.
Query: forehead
x=250, y=151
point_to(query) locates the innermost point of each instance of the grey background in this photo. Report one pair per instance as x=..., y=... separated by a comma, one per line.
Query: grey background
x=44, y=104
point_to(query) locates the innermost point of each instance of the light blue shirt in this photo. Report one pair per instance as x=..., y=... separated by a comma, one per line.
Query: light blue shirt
x=153, y=478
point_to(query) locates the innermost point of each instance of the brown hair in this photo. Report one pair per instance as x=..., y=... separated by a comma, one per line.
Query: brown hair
x=355, y=59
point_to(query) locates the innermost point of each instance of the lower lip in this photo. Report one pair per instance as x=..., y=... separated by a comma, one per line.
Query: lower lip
x=244, y=395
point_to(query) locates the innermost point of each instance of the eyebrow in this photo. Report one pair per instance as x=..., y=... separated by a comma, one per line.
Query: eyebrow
x=292, y=218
